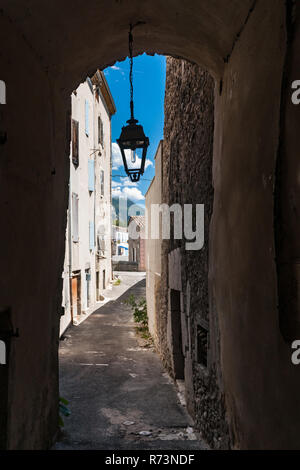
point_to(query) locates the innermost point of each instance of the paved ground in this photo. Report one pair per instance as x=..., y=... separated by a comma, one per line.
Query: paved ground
x=112, y=292
x=117, y=388
x=129, y=279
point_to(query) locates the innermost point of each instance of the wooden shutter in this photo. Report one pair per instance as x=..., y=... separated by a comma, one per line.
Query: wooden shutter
x=100, y=131
x=75, y=149
x=91, y=175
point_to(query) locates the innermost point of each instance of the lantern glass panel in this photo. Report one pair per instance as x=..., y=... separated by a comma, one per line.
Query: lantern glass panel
x=134, y=158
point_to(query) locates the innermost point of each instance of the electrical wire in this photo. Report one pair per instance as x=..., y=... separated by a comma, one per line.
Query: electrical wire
x=125, y=176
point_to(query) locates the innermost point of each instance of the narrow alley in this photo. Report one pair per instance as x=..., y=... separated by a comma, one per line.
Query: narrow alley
x=150, y=148
x=119, y=395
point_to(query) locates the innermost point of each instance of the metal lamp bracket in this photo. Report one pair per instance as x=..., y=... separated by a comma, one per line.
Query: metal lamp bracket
x=3, y=135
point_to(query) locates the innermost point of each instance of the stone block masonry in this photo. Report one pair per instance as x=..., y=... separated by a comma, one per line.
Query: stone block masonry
x=187, y=179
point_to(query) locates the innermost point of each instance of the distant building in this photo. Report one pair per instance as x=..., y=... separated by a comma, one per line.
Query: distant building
x=119, y=243
x=136, y=241
x=87, y=266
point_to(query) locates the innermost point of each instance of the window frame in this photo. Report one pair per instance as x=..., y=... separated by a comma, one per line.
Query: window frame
x=75, y=142
x=100, y=131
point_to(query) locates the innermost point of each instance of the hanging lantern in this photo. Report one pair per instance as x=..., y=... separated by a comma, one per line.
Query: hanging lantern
x=132, y=142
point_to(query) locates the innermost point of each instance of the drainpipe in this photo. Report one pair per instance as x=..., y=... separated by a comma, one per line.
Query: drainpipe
x=70, y=229
x=95, y=124
x=70, y=246
x=110, y=201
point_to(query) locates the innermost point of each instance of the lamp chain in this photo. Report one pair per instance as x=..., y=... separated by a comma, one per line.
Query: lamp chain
x=131, y=67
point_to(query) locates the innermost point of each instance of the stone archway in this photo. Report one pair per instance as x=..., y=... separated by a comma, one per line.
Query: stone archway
x=47, y=50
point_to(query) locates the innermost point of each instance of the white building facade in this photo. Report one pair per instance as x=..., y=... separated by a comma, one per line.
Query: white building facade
x=87, y=267
x=154, y=247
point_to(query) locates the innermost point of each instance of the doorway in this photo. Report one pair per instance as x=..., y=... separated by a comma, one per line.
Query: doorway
x=88, y=290
x=97, y=286
x=176, y=328
x=76, y=295
x=104, y=280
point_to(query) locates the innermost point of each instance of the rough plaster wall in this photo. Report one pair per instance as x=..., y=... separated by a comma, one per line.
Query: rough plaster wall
x=261, y=384
x=287, y=190
x=153, y=247
x=33, y=186
x=187, y=170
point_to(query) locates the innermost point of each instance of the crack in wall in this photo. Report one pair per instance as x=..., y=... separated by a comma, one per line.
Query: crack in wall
x=238, y=35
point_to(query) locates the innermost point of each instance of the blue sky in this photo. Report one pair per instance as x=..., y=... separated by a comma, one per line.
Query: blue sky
x=149, y=74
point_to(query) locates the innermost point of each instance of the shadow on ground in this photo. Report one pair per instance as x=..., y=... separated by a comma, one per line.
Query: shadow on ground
x=120, y=396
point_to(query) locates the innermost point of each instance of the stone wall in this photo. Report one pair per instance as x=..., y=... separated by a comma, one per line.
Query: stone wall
x=187, y=179
x=250, y=378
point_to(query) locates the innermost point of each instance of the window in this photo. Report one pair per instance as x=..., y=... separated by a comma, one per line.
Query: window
x=100, y=131
x=75, y=228
x=97, y=285
x=88, y=290
x=87, y=124
x=102, y=182
x=75, y=150
x=176, y=333
x=101, y=245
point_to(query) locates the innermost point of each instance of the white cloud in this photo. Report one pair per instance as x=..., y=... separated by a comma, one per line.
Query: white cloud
x=116, y=192
x=115, y=67
x=137, y=163
x=129, y=192
x=127, y=182
x=133, y=193
x=116, y=156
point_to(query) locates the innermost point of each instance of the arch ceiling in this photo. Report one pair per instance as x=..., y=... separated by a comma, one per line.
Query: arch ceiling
x=71, y=38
